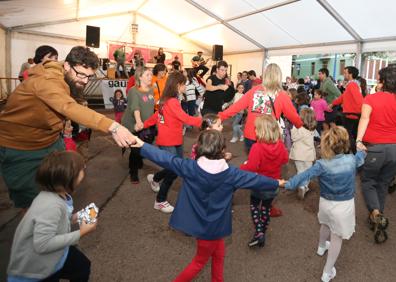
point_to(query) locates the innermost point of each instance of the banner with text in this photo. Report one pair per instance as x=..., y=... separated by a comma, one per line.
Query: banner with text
x=108, y=88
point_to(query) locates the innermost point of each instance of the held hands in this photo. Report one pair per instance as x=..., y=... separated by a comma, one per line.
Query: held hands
x=139, y=143
x=360, y=146
x=227, y=156
x=224, y=87
x=282, y=183
x=139, y=126
x=121, y=135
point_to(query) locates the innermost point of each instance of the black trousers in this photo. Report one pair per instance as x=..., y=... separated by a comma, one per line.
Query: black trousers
x=203, y=68
x=351, y=125
x=135, y=161
x=77, y=268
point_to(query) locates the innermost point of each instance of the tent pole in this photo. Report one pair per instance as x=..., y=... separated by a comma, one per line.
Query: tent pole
x=8, y=71
x=359, y=58
x=265, y=61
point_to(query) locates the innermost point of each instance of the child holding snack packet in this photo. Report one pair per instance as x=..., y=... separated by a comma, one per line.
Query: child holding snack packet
x=43, y=246
x=203, y=208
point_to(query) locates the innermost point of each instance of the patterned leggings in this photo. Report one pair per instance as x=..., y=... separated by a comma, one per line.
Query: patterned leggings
x=260, y=211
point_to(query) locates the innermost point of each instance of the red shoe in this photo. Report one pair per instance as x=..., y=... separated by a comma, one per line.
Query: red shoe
x=275, y=212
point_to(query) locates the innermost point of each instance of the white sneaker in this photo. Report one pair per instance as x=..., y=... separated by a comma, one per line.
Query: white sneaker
x=302, y=191
x=155, y=186
x=321, y=250
x=234, y=139
x=326, y=277
x=165, y=207
x=241, y=138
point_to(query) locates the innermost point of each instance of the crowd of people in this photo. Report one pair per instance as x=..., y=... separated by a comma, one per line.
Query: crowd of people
x=328, y=134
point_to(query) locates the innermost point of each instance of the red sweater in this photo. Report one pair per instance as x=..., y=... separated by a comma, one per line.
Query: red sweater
x=170, y=123
x=256, y=106
x=351, y=100
x=267, y=159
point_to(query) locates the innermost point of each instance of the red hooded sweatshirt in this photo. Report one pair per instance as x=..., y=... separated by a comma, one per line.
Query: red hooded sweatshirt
x=266, y=159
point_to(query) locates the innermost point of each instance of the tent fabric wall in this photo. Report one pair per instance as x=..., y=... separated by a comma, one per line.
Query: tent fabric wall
x=2, y=52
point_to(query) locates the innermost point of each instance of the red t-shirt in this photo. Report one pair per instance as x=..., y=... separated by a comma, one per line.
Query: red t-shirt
x=351, y=100
x=257, y=104
x=382, y=125
x=170, y=123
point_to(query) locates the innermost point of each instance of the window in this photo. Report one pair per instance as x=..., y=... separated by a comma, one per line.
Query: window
x=342, y=66
x=312, y=68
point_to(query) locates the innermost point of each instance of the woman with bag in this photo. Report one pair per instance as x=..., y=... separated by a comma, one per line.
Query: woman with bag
x=140, y=107
x=268, y=98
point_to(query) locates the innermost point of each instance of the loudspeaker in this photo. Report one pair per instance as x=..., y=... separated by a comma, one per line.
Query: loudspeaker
x=92, y=37
x=217, y=52
x=104, y=62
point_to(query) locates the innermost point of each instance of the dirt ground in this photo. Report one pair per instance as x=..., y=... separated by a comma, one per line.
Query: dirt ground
x=133, y=242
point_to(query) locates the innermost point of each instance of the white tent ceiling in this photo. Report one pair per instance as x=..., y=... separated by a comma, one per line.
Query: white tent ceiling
x=239, y=25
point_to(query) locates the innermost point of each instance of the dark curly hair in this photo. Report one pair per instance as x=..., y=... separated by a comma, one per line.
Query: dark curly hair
x=388, y=77
x=82, y=56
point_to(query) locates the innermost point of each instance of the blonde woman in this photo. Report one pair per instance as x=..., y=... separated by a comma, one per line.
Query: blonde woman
x=266, y=158
x=336, y=171
x=268, y=98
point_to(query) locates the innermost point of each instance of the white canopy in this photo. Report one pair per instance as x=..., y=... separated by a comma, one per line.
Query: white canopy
x=271, y=27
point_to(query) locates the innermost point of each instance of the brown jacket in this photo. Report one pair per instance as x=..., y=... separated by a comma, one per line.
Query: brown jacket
x=33, y=117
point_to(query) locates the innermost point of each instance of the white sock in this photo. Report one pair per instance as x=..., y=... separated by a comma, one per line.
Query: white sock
x=324, y=235
x=333, y=252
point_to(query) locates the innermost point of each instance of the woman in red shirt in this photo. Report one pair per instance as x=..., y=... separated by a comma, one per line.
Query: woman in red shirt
x=377, y=135
x=258, y=102
x=169, y=120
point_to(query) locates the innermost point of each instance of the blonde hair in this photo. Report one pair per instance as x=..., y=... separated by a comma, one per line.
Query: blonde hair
x=272, y=78
x=334, y=141
x=267, y=129
x=308, y=118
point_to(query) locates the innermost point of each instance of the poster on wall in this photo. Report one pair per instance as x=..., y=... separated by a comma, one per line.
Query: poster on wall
x=108, y=88
x=148, y=53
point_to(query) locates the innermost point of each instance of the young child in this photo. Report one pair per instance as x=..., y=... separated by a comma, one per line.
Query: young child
x=203, y=207
x=266, y=157
x=319, y=106
x=70, y=145
x=336, y=171
x=169, y=120
x=43, y=246
x=119, y=103
x=302, y=101
x=303, y=147
x=210, y=121
x=237, y=133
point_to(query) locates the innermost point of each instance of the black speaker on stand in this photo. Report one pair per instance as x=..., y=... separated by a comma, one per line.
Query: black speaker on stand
x=217, y=53
x=92, y=37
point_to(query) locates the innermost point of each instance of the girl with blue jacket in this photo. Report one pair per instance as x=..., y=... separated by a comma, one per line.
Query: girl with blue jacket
x=336, y=171
x=203, y=207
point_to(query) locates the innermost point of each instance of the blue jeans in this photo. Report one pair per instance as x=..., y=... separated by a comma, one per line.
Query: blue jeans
x=236, y=126
x=167, y=175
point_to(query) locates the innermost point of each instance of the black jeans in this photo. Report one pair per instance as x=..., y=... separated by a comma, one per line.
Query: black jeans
x=377, y=173
x=167, y=175
x=77, y=268
x=135, y=161
x=204, y=69
x=351, y=125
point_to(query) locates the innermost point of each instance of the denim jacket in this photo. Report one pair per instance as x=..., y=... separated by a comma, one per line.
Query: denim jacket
x=336, y=176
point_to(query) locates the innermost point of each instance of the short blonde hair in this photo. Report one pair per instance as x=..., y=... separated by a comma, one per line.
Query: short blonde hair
x=267, y=129
x=139, y=73
x=272, y=78
x=334, y=141
x=308, y=118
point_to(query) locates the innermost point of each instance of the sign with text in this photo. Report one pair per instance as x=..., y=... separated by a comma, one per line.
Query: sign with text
x=108, y=88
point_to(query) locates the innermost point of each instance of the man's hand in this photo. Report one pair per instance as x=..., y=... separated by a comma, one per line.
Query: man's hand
x=121, y=135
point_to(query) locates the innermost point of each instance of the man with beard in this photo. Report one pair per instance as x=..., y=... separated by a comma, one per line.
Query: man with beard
x=33, y=118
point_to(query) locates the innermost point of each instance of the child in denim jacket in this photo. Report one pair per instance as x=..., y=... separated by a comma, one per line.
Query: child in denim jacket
x=336, y=171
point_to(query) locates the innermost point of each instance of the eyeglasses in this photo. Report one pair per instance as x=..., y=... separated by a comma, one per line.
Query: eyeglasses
x=83, y=75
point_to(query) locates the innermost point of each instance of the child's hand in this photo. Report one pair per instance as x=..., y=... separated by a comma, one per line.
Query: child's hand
x=86, y=228
x=227, y=156
x=139, y=126
x=139, y=143
x=282, y=182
